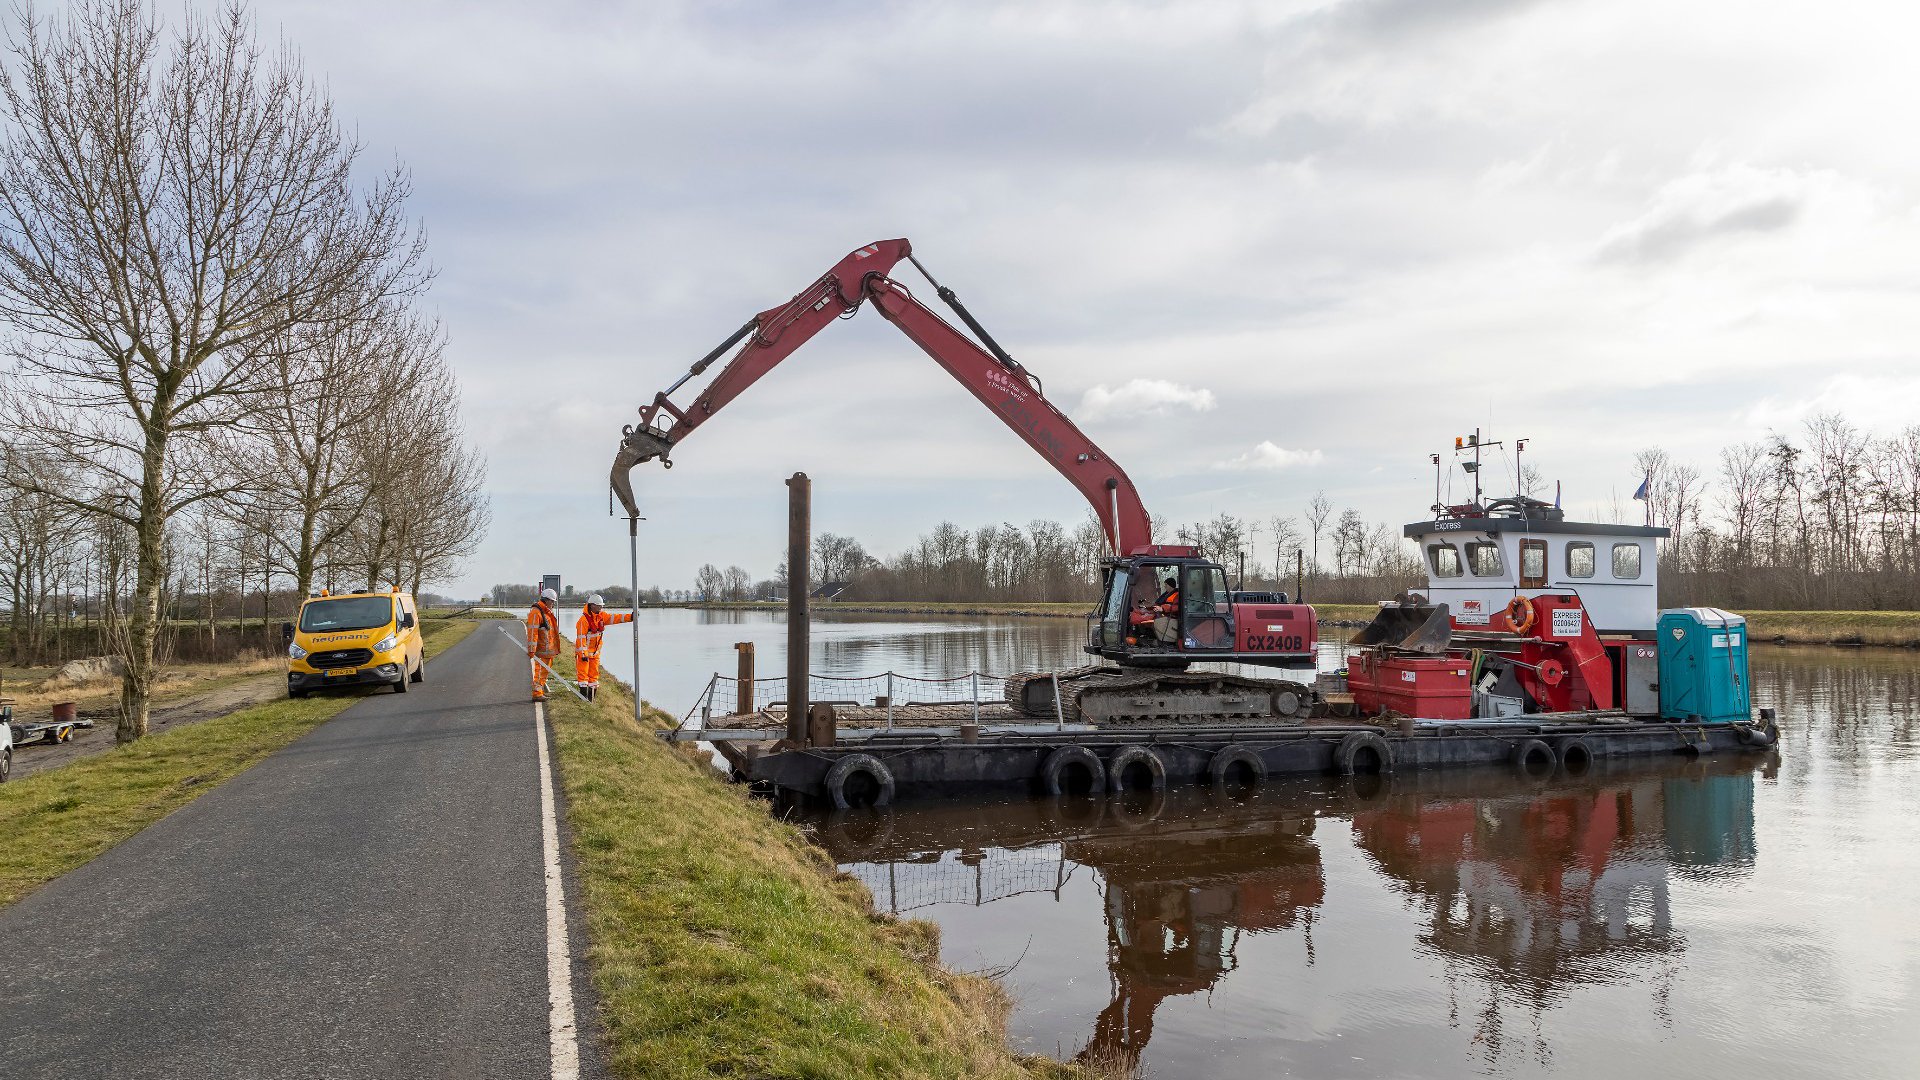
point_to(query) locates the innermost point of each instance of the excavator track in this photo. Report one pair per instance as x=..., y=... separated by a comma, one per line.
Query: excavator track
x=1117, y=697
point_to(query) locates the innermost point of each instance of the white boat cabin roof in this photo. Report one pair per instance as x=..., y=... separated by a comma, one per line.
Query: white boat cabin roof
x=1476, y=564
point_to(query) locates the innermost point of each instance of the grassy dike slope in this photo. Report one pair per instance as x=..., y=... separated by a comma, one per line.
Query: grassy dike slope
x=61, y=818
x=722, y=943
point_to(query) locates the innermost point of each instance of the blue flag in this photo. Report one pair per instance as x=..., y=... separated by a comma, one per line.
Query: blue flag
x=1641, y=492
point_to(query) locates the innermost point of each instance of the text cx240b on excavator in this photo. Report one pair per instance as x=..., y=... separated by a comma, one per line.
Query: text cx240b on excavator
x=1162, y=606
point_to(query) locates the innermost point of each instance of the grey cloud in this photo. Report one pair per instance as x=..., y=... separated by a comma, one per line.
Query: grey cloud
x=1666, y=236
x=1397, y=20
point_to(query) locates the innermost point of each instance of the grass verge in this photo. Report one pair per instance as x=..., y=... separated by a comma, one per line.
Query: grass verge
x=59, y=819
x=722, y=943
x=1836, y=627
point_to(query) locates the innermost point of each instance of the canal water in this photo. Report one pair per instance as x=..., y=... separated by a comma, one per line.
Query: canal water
x=1753, y=916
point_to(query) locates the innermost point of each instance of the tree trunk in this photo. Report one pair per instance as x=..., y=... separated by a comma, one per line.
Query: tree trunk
x=143, y=619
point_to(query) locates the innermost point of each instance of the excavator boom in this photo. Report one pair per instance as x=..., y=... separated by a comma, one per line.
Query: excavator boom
x=993, y=377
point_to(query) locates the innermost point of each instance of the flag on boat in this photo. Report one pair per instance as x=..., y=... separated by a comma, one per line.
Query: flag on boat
x=1641, y=491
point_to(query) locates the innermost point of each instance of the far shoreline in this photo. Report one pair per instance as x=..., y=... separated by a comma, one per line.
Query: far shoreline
x=1881, y=629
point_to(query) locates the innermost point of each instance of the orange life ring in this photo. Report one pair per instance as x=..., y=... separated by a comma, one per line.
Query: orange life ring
x=1520, y=615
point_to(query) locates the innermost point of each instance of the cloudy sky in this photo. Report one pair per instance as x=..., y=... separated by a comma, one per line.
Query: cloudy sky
x=1258, y=249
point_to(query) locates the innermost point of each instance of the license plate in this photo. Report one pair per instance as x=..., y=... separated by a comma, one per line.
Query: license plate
x=341, y=672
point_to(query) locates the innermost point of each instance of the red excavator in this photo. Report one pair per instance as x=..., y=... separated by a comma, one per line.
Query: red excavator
x=1162, y=606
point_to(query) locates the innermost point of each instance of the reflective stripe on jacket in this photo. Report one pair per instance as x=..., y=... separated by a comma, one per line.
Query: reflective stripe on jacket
x=586, y=632
x=543, y=632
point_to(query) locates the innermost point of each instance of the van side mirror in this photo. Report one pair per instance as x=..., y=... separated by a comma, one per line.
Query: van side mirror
x=406, y=620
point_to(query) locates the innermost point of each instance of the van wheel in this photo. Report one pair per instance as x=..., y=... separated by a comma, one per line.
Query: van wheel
x=400, y=684
x=420, y=673
x=6, y=764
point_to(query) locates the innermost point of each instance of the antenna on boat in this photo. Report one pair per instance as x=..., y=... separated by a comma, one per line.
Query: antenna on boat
x=1461, y=444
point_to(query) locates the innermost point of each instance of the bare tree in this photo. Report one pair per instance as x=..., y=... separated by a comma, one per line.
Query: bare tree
x=1286, y=537
x=450, y=516
x=1318, y=511
x=166, y=214
x=335, y=385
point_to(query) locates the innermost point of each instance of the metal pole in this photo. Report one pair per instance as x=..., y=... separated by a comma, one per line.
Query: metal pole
x=799, y=638
x=1059, y=711
x=633, y=561
x=976, y=699
x=889, y=701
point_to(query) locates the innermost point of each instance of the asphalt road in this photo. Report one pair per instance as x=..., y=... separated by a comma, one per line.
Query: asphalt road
x=368, y=902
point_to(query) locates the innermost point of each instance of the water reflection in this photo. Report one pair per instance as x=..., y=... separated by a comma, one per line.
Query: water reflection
x=1535, y=893
x=1179, y=895
x=1528, y=891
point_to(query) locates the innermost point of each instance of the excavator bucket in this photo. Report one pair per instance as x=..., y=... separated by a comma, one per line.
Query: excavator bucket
x=1417, y=628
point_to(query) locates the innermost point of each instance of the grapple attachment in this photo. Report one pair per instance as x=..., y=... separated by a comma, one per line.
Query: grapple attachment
x=1409, y=627
x=636, y=445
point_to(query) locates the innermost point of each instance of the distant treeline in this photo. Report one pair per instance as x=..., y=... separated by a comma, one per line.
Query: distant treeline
x=1825, y=519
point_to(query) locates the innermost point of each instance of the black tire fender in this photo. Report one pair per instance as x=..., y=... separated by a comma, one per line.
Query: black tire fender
x=844, y=769
x=1575, y=755
x=1237, y=754
x=1346, y=756
x=1756, y=736
x=1057, y=762
x=1127, y=759
x=1528, y=751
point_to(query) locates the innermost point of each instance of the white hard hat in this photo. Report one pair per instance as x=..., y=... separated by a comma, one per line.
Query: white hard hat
x=549, y=595
x=597, y=600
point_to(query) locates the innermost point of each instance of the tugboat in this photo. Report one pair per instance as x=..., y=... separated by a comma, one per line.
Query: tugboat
x=1525, y=613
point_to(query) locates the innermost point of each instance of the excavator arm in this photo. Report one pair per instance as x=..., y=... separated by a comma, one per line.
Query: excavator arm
x=1001, y=384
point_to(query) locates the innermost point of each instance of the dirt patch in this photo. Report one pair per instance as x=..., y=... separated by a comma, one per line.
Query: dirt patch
x=219, y=701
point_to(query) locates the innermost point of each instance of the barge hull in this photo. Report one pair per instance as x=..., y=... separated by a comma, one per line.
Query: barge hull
x=920, y=765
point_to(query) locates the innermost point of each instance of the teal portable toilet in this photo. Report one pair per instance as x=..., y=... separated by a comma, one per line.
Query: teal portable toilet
x=1703, y=665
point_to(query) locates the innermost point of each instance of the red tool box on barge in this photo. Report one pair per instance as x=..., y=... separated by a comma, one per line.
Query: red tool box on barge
x=1436, y=688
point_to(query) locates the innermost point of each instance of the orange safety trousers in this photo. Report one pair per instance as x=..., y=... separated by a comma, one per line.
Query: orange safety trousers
x=586, y=644
x=543, y=641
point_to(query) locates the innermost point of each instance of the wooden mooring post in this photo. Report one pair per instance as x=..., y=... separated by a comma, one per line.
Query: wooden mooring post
x=744, y=678
x=799, y=574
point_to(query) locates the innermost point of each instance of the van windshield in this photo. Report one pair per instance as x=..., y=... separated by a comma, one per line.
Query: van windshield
x=346, y=613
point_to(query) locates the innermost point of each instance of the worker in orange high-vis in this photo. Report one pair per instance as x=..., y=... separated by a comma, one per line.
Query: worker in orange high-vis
x=586, y=642
x=543, y=640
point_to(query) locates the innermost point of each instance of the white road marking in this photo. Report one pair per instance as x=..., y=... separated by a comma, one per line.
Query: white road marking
x=563, y=1031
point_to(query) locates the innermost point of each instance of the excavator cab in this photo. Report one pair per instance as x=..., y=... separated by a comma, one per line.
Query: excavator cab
x=1164, y=611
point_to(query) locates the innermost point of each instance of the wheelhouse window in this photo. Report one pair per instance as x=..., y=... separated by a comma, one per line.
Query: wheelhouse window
x=1445, y=560
x=1483, y=558
x=1626, y=562
x=1579, y=559
x=1533, y=564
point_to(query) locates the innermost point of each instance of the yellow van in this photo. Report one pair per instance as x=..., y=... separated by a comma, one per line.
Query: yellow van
x=355, y=639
